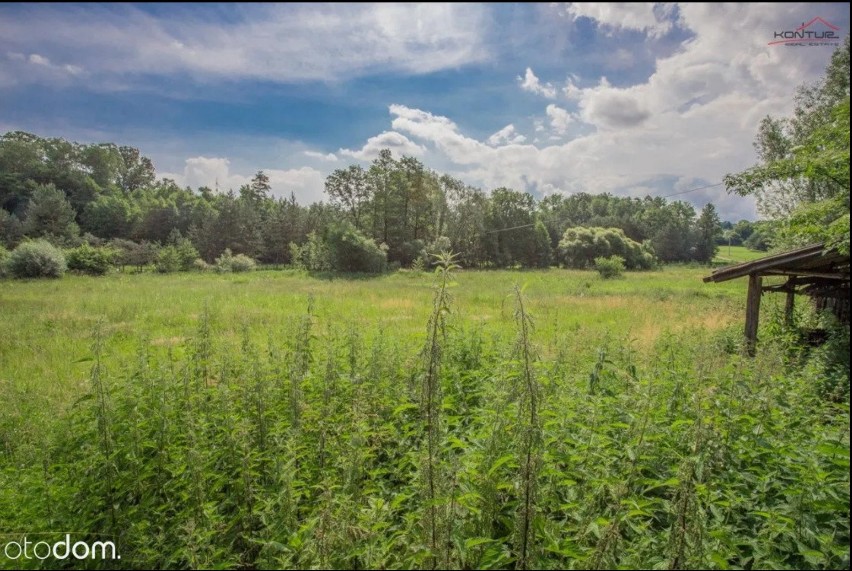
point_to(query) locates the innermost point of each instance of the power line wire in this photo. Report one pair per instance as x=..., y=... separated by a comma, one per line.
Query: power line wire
x=693, y=190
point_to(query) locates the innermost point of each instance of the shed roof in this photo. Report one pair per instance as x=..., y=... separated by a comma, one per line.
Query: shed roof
x=812, y=261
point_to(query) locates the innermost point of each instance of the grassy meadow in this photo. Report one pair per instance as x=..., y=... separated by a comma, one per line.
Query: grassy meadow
x=416, y=420
x=727, y=255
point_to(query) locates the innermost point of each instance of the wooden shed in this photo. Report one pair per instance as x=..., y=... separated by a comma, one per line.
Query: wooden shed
x=813, y=270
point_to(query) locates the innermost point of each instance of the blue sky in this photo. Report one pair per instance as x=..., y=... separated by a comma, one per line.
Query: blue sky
x=629, y=99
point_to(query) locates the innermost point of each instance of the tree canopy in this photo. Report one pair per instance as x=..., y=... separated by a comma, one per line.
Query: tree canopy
x=394, y=208
x=802, y=178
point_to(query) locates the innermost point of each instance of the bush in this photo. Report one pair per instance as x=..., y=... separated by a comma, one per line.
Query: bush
x=313, y=255
x=168, y=260
x=89, y=260
x=187, y=254
x=128, y=253
x=37, y=259
x=242, y=263
x=351, y=251
x=426, y=255
x=580, y=247
x=4, y=259
x=200, y=265
x=409, y=252
x=228, y=262
x=611, y=267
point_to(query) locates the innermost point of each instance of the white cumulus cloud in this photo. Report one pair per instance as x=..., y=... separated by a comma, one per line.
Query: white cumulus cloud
x=560, y=119
x=529, y=82
x=398, y=143
x=308, y=184
x=506, y=135
x=651, y=18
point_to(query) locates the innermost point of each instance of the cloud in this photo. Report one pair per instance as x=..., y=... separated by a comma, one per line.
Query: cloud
x=308, y=184
x=38, y=60
x=560, y=119
x=282, y=43
x=600, y=161
x=328, y=157
x=506, y=135
x=650, y=18
x=213, y=172
x=36, y=67
x=532, y=84
x=398, y=143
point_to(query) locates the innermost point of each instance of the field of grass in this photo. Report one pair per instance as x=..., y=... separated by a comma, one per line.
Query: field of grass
x=277, y=419
x=736, y=254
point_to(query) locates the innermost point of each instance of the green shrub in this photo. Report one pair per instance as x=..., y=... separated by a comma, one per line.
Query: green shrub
x=4, y=259
x=37, y=259
x=351, y=251
x=228, y=262
x=129, y=253
x=313, y=255
x=89, y=260
x=580, y=246
x=200, y=265
x=611, y=267
x=187, y=254
x=242, y=263
x=168, y=260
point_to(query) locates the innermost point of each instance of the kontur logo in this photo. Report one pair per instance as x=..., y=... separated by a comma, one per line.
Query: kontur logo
x=817, y=32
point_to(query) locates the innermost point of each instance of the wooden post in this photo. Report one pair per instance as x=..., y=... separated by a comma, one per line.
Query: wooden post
x=752, y=312
x=789, y=306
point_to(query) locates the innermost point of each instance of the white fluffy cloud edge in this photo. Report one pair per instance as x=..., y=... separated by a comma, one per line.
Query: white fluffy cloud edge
x=688, y=124
x=306, y=183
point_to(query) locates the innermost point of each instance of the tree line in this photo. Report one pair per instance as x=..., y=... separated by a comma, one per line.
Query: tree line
x=69, y=193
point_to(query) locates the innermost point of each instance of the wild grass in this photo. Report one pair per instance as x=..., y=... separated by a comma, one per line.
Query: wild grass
x=278, y=420
x=727, y=255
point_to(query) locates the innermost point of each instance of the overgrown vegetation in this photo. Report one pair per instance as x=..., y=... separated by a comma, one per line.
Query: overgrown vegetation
x=382, y=216
x=316, y=435
x=611, y=267
x=37, y=259
x=580, y=247
x=227, y=262
x=89, y=260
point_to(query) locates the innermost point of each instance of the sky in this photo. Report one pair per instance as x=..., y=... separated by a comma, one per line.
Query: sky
x=630, y=99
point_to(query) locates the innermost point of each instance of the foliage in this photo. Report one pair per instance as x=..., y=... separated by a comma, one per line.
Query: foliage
x=11, y=229
x=611, y=267
x=112, y=193
x=708, y=230
x=4, y=259
x=351, y=251
x=186, y=252
x=580, y=247
x=36, y=259
x=111, y=216
x=762, y=239
x=228, y=262
x=543, y=249
x=302, y=440
x=803, y=175
x=313, y=255
x=130, y=253
x=168, y=260
x=89, y=260
x=49, y=213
